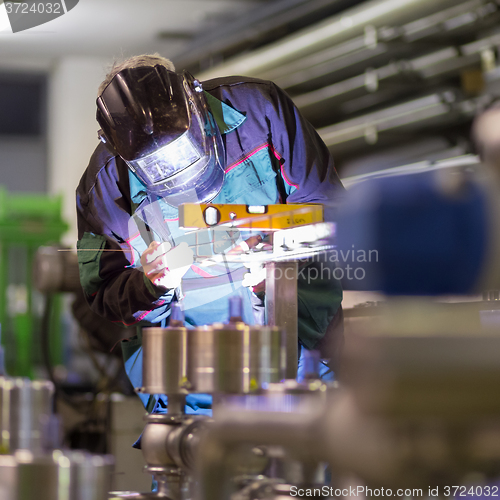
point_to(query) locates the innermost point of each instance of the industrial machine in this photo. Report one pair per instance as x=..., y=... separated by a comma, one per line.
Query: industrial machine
x=32, y=463
x=236, y=363
x=414, y=407
x=27, y=221
x=416, y=410
x=232, y=359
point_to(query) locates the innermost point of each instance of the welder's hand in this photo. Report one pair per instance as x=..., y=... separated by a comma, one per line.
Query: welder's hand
x=255, y=278
x=165, y=266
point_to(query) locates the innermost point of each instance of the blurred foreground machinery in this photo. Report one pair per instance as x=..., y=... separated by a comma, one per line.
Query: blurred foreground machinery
x=416, y=407
x=93, y=396
x=27, y=221
x=415, y=404
x=227, y=361
x=55, y=270
x=241, y=366
x=32, y=464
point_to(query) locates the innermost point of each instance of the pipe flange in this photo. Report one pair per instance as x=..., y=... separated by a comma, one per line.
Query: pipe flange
x=164, y=471
x=164, y=418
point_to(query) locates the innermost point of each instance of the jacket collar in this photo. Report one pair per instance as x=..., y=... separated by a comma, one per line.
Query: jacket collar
x=227, y=119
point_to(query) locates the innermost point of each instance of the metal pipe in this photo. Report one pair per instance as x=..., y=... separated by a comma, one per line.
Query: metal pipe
x=459, y=163
x=282, y=307
x=370, y=44
x=251, y=27
x=176, y=404
x=170, y=485
x=369, y=125
x=445, y=60
x=336, y=29
x=296, y=432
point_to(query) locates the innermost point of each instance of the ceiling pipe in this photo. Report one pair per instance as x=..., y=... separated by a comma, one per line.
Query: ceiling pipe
x=372, y=43
x=254, y=26
x=444, y=61
x=334, y=30
x=370, y=125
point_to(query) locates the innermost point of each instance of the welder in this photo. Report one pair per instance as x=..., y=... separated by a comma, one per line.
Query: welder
x=168, y=139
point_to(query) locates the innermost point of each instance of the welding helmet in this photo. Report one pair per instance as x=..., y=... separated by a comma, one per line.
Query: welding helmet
x=159, y=123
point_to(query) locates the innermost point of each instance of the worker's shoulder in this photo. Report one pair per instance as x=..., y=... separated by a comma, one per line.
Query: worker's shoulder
x=237, y=83
x=102, y=168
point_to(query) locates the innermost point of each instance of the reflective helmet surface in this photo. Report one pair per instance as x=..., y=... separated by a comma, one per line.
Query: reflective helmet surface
x=159, y=123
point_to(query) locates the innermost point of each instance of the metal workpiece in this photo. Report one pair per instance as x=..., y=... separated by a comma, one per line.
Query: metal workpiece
x=135, y=495
x=201, y=365
x=189, y=441
x=23, y=405
x=171, y=486
x=229, y=359
x=168, y=443
x=233, y=358
x=310, y=397
x=449, y=376
x=164, y=366
x=267, y=355
x=154, y=440
x=60, y=475
x=307, y=397
x=299, y=434
x=282, y=307
x=248, y=357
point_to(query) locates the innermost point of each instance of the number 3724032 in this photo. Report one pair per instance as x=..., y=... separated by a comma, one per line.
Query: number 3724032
x=33, y=8
x=476, y=491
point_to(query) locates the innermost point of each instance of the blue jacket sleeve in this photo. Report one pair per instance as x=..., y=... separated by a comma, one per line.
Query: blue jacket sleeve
x=309, y=176
x=113, y=286
x=306, y=165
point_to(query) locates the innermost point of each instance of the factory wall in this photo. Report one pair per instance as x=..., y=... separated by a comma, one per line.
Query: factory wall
x=23, y=128
x=72, y=131
x=23, y=163
x=53, y=160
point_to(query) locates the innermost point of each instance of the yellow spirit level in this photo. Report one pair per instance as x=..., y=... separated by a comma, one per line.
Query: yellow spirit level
x=270, y=217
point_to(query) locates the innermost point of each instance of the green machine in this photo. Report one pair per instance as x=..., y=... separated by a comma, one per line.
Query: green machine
x=27, y=221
